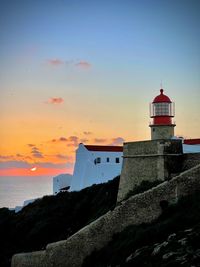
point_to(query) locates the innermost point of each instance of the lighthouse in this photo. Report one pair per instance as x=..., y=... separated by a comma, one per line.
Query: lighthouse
x=162, y=111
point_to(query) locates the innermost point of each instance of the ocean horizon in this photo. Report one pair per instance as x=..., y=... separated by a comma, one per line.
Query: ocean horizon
x=14, y=190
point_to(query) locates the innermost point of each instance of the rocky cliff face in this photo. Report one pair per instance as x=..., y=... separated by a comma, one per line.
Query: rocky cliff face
x=179, y=249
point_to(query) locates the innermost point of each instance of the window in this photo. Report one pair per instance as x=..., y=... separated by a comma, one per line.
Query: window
x=162, y=109
x=97, y=161
x=117, y=160
x=107, y=159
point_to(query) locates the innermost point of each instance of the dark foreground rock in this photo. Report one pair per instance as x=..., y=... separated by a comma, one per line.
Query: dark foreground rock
x=179, y=249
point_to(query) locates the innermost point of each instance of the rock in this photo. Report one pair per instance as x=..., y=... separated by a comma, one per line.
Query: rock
x=171, y=237
x=182, y=241
x=188, y=230
x=168, y=255
x=158, y=248
x=137, y=253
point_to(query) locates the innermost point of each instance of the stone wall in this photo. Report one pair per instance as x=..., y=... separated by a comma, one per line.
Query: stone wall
x=190, y=160
x=141, y=208
x=162, y=131
x=148, y=161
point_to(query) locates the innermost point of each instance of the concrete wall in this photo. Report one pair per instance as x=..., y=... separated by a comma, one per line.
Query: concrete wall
x=162, y=131
x=148, y=161
x=142, y=208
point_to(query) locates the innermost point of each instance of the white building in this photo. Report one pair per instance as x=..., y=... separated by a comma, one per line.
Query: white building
x=61, y=183
x=26, y=202
x=95, y=165
x=191, y=146
x=98, y=164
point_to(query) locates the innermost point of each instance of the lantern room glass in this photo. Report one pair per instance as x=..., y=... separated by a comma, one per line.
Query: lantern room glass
x=162, y=109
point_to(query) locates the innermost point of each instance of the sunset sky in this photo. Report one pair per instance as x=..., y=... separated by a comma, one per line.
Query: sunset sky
x=85, y=71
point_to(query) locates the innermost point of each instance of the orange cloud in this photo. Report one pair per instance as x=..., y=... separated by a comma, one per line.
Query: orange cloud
x=30, y=145
x=55, y=62
x=117, y=141
x=83, y=64
x=87, y=133
x=36, y=153
x=2, y=157
x=100, y=140
x=55, y=100
x=63, y=139
x=74, y=139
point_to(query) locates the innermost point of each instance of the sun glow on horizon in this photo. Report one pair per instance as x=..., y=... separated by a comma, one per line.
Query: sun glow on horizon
x=33, y=169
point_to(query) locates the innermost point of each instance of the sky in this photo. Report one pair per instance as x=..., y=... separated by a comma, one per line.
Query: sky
x=76, y=71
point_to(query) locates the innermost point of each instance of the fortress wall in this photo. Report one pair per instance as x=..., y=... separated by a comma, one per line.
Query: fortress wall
x=141, y=208
x=148, y=161
x=190, y=160
x=32, y=259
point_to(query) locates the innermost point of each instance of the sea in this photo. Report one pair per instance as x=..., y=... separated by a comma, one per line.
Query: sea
x=14, y=190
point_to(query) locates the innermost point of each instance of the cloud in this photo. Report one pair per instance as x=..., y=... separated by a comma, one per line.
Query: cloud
x=14, y=164
x=36, y=153
x=63, y=139
x=71, y=141
x=117, y=141
x=30, y=145
x=55, y=62
x=74, y=140
x=87, y=133
x=19, y=155
x=100, y=140
x=83, y=64
x=60, y=156
x=6, y=157
x=55, y=100
x=65, y=157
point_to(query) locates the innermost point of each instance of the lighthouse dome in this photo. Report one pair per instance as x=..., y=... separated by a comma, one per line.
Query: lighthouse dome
x=161, y=98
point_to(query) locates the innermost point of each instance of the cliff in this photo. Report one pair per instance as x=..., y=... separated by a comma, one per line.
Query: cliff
x=53, y=218
x=139, y=209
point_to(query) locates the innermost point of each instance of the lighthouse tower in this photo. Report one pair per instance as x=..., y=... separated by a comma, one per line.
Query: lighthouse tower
x=162, y=111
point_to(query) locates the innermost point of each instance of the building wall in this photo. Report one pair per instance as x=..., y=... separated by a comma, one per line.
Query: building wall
x=148, y=161
x=191, y=148
x=162, y=132
x=61, y=181
x=141, y=208
x=86, y=172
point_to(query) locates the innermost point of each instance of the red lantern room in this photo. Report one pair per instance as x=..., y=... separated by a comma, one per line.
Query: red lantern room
x=162, y=111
